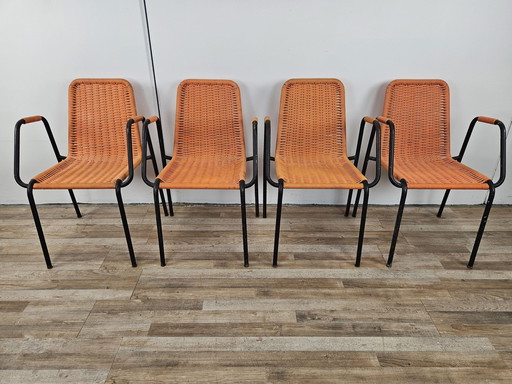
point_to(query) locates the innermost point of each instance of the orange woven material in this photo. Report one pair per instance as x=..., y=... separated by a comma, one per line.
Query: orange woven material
x=420, y=111
x=311, y=147
x=97, y=151
x=209, y=149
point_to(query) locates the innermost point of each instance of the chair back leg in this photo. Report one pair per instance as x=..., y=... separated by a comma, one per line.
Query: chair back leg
x=397, y=224
x=349, y=201
x=171, y=209
x=75, y=204
x=278, y=220
x=443, y=203
x=125, y=223
x=363, y=223
x=244, y=223
x=483, y=222
x=37, y=222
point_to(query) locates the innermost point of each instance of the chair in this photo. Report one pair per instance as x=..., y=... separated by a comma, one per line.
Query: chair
x=209, y=148
x=416, y=148
x=103, y=147
x=311, y=147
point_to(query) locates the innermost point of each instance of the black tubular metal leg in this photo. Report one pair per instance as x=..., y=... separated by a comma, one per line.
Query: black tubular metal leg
x=257, y=198
x=171, y=208
x=441, y=207
x=159, y=223
x=278, y=220
x=363, y=223
x=39, y=228
x=125, y=223
x=397, y=225
x=75, y=204
x=483, y=222
x=264, y=197
x=244, y=223
x=349, y=199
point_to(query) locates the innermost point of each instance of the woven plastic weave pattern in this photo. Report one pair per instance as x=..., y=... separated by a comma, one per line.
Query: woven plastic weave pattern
x=420, y=110
x=311, y=148
x=97, y=153
x=209, y=149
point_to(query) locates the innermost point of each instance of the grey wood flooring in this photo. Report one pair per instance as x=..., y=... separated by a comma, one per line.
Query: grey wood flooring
x=204, y=318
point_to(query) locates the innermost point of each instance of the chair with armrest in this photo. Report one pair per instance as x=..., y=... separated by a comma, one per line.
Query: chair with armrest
x=103, y=147
x=416, y=148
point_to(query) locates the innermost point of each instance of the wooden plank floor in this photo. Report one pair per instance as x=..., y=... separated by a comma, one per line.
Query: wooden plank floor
x=205, y=319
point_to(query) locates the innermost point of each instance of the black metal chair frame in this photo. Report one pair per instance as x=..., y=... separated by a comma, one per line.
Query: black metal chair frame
x=280, y=184
x=403, y=183
x=146, y=140
x=30, y=186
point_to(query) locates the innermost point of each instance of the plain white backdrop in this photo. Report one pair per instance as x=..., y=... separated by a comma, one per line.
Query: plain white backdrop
x=365, y=44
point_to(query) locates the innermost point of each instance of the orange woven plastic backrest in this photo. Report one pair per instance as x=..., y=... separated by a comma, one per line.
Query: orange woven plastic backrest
x=420, y=110
x=209, y=120
x=311, y=119
x=98, y=112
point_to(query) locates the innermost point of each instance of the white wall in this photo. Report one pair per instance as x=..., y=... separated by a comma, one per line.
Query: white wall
x=260, y=45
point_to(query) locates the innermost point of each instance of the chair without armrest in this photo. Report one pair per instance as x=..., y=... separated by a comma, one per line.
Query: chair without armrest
x=103, y=147
x=209, y=147
x=311, y=146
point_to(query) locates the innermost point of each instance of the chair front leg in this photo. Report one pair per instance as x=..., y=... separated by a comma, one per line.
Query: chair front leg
x=363, y=223
x=125, y=223
x=159, y=222
x=397, y=223
x=483, y=222
x=37, y=222
x=278, y=220
x=244, y=223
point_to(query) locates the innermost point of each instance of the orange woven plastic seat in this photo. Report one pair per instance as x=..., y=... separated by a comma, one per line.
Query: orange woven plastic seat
x=209, y=147
x=311, y=145
x=103, y=146
x=438, y=173
x=416, y=147
x=83, y=174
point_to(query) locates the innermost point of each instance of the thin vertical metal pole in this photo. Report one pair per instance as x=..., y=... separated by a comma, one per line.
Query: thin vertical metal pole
x=152, y=60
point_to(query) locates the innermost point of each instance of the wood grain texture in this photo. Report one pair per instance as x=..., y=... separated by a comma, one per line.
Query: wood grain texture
x=205, y=319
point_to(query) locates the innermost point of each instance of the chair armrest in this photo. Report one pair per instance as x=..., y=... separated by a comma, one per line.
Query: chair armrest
x=254, y=156
x=148, y=144
x=503, y=137
x=267, y=158
x=17, y=144
x=129, y=147
x=375, y=131
x=391, y=161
